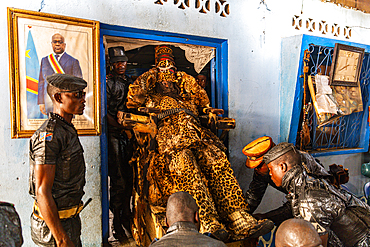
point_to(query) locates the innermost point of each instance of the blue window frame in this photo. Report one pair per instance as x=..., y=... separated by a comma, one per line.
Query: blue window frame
x=350, y=134
x=219, y=86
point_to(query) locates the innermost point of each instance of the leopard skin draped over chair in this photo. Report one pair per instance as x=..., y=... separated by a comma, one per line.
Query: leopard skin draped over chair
x=174, y=152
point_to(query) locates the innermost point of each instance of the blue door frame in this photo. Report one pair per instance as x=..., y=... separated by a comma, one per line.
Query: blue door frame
x=219, y=79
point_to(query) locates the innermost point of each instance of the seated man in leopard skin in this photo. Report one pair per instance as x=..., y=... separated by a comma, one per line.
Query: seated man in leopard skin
x=189, y=157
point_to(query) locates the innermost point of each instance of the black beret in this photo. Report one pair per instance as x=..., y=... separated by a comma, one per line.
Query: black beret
x=66, y=82
x=277, y=151
x=117, y=54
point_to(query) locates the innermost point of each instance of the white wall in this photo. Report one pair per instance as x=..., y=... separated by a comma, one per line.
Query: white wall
x=254, y=33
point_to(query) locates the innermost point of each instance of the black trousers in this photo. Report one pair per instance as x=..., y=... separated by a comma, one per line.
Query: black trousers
x=121, y=175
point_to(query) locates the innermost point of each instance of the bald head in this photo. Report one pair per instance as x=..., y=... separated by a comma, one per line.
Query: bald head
x=181, y=206
x=297, y=233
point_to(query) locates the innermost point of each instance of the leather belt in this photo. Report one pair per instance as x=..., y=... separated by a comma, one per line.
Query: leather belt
x=63, y=213
x=169, y=112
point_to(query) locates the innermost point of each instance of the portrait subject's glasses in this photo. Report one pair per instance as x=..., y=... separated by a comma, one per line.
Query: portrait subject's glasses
x=57, y=42
x=76, y=94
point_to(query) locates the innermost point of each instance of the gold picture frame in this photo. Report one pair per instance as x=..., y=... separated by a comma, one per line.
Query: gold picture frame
x=29, y=37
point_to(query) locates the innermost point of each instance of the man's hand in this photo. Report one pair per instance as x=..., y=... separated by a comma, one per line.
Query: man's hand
x=149, y=110
x=212, y=110
x=65, y=243
x=127, y=124
x=217, y=111
x=259, y=216
x=42, y=109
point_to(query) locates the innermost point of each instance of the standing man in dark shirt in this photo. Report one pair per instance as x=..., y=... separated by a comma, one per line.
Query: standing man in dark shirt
x=57, y=167
x=119, y=146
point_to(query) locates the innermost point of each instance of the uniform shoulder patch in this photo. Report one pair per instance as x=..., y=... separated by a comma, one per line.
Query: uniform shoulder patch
x=46, y=136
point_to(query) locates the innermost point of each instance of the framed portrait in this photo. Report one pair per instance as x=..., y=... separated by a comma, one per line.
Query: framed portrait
x=42, y=44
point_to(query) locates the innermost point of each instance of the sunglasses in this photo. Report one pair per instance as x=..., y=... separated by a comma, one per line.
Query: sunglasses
x=76, y=94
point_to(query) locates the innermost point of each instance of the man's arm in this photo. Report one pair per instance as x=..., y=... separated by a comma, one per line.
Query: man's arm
x=256, y=191
x=40, y=89
x=277, y=215
x=44, y=182
x=77, y=69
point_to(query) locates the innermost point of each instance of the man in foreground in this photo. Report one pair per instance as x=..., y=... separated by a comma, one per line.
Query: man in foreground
x=317, y=201
x=57, y=167
x=182, y=218
x=297, y=233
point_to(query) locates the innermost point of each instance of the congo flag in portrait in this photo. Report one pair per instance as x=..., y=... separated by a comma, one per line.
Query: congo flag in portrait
x=32, y=75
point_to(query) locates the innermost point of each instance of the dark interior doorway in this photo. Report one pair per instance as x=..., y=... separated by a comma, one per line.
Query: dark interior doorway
x=217, y=69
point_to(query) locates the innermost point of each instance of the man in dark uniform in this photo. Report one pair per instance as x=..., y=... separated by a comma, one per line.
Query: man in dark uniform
x=313, y=199
x=57, y=167
x=261, y=178
x=119, y=146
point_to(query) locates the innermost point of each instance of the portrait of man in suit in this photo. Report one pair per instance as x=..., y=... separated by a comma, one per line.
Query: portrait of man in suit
x=56, y=62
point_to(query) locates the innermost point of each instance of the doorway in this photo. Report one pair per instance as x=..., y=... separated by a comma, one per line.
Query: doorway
x=139, y=45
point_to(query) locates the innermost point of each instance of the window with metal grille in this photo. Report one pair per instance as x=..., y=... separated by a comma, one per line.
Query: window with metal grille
x=346, y=132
